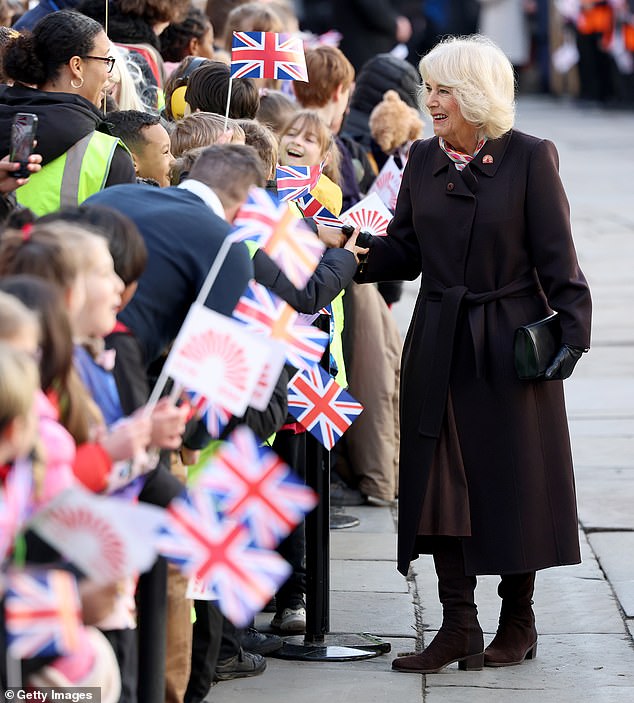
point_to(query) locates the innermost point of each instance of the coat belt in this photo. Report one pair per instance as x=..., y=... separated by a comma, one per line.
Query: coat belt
x=451, y=299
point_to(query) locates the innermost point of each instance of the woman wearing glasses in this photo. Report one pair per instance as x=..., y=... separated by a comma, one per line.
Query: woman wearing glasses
x=60, y=72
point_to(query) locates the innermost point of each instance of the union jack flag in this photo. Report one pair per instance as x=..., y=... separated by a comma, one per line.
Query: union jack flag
x=259, y=217
x=297, y=251
x=254, y=486
x=42, y=613
x=276, y=230
x=321, y=405
x=264, y=313
x=15, y=504
x=219, y=554
x=268, y=55
x=295, y=181
x=311, y=207
x=214, y=417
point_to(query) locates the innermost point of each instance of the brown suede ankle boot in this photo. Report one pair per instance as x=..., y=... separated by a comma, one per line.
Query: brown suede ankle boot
x=516, y=637
x=448, y=646
x=460, y=637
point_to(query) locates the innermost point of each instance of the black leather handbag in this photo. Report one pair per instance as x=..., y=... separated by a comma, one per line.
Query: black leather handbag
x=535, y=346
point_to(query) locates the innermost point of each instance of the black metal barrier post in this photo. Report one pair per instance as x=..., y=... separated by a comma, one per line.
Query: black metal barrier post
x=317, y=644
x=317, y=544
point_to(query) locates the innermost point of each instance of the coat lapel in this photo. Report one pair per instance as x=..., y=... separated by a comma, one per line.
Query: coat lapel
x=491, y=156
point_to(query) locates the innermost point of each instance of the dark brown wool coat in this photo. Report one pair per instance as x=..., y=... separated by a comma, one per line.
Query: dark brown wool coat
x=495, y=249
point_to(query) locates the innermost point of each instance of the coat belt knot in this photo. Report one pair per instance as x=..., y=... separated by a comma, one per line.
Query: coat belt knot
x=451, y=298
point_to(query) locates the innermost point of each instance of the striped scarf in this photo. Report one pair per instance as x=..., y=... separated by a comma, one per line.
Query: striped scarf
x=460, y=160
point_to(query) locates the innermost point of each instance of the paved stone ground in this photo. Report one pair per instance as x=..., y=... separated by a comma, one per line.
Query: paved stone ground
x=585, y=613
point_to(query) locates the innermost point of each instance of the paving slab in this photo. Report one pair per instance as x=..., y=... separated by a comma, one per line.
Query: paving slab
x=362, y=545
x=579, y=661
x=603, y=427
x=603, y=452
x=318, y=682
x=366, y=576
x=614, y=551
x=605, y=497
x=483, y=694
x=384, y=614
x=607, y=397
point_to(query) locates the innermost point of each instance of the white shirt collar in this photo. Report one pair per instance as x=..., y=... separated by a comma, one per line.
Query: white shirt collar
x=206, y=194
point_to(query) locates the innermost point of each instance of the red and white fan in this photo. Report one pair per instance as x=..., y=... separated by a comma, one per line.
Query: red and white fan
x=370, y=215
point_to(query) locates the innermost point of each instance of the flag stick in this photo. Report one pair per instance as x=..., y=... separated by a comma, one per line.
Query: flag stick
x=228, y=102
x=105, y=29
x=201, y=298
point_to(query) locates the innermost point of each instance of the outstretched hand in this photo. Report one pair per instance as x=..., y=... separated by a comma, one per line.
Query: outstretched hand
x=351, y=245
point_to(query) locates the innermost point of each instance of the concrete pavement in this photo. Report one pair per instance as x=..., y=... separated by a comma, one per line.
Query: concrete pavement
x=585, y=613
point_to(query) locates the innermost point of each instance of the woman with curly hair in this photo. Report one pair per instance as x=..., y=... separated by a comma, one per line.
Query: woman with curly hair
x=60, y=72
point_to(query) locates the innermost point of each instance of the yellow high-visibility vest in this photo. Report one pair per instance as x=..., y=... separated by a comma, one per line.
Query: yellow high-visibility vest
x=68, y=180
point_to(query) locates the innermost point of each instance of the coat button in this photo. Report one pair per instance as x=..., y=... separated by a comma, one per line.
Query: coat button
x=450, y=186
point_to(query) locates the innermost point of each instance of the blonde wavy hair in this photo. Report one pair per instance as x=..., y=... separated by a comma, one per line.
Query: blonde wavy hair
x=14, y=317
x=481, y=78
x=19, y=380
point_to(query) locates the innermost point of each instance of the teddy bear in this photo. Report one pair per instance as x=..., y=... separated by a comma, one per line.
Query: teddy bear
x=394, y=124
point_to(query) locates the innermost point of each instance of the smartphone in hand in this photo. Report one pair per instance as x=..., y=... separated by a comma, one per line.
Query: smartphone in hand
x=23, y=132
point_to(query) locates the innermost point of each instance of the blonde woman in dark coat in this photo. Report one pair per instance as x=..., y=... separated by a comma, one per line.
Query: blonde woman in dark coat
x=486, y=479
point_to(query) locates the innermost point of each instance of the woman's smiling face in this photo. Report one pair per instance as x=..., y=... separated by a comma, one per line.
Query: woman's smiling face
x=95, y=73
x=447, y=118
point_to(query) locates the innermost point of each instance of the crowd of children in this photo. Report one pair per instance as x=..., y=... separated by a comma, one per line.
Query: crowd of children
x=146, y=150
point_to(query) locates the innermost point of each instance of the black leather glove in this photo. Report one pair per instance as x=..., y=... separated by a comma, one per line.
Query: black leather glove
x=563, y=363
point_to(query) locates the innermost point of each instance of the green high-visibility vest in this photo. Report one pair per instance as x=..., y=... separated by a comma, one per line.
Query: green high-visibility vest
x=72, y=177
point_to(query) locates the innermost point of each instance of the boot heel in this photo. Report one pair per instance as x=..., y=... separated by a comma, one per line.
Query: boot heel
x=532, y=652
x=473, y=663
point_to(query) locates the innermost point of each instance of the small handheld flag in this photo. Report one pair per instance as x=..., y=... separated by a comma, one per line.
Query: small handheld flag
x=295, y=181
x=219, y=555
x=253, y=485
x=311, y=207
x=321, y=405
x=286, y=239
x=264, y=313
x=42, y=613
x=214, y=417
x=268, y=55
